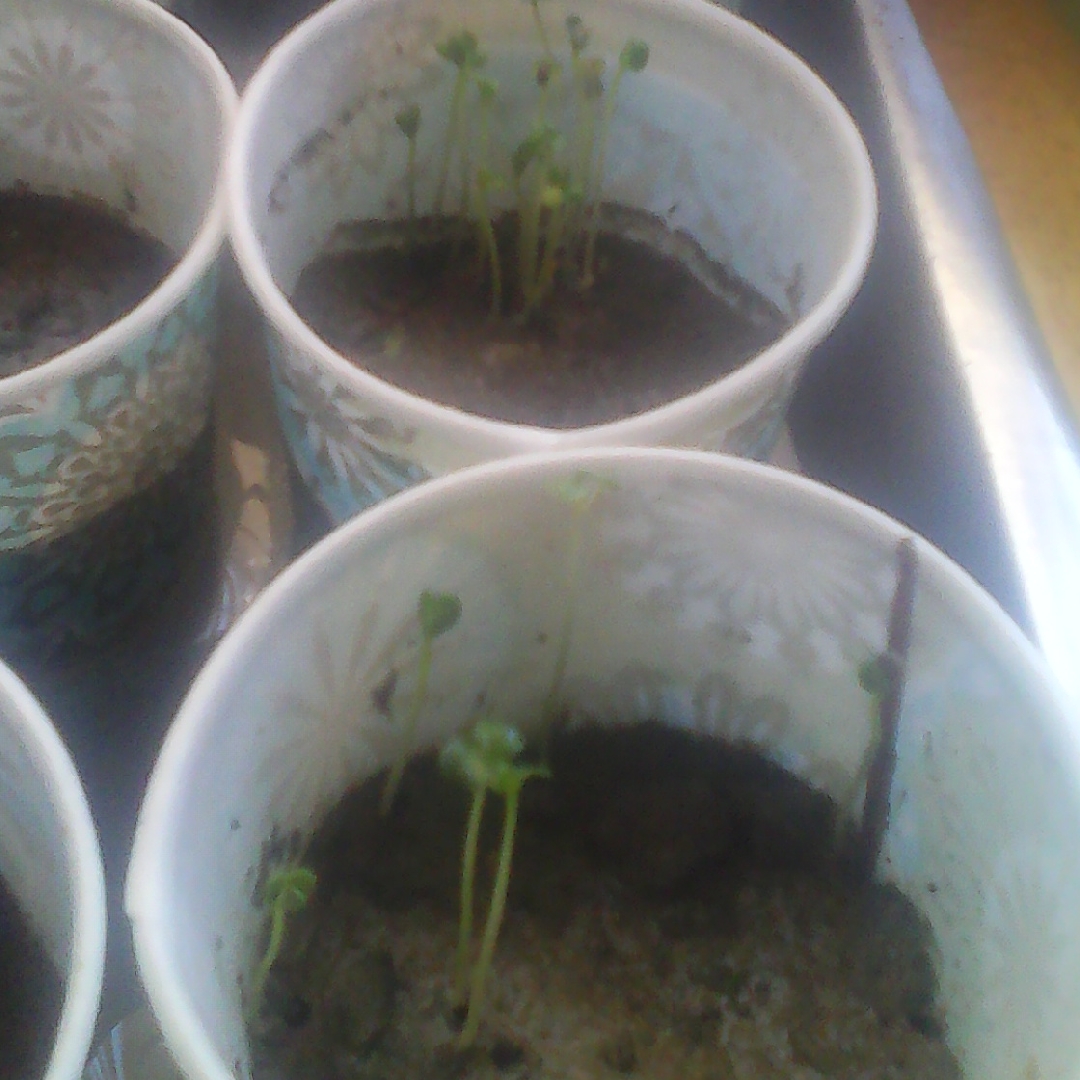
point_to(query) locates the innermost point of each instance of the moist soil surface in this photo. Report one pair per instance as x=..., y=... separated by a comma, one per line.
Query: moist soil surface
x=30, y=996
x=412, y=305
x=677, y=909
x=68, y=268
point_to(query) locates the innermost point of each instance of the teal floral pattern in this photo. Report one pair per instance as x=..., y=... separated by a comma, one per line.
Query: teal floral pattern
x=78, y=446
x=348, y=457
x=64, y=96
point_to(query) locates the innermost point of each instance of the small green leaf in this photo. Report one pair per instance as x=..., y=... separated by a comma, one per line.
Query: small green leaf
x=634, y=55
x=539, y=144
x=438, y=613
x=289, y=888
x=874, y=676
x=577, y=33
x=486, y=89
x=551, y=196
x=462, y=50
x=486, y=755
x=507, y=777
x=496, y=740
x=582, y=488
x=408, y=121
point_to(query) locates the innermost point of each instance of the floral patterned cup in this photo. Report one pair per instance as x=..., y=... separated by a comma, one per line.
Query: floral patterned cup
x=119, y=102
x=726, y=136
x=710, y=593
x=51, y=863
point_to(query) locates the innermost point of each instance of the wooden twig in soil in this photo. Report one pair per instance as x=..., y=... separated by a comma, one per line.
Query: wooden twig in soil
x=879, y=776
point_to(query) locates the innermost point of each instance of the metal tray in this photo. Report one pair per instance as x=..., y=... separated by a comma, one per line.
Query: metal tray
x=934, y=400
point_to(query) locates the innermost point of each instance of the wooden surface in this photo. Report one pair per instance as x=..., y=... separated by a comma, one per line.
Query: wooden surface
x=1012, y=70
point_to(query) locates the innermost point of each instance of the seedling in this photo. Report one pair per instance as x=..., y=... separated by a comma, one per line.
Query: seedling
x=555, y=177
x=633, y=58
x=463, y=51
x=485, y=759
x=287, y=892
x=541, y=32
x=437, y=613
x=486, y=183
x=580, y=492
x=408, y=122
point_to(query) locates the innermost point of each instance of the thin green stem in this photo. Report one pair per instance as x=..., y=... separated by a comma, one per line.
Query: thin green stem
x=468, y=879
x=589, y=262
x=493, y=924
x=491, y=245
x=466, y=163
x=573, y=575
x=410, y=180
x=545, y=277
x=273, y=947
x=541, y=30
x=585, y=149
x=484, y=180
x=453, y=123
x=633, y=57
x=529, y=242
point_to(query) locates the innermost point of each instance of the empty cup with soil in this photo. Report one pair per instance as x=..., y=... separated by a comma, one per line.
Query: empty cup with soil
x=691, y=891
x=495, y=227
x=52, y=898
x=114, y=124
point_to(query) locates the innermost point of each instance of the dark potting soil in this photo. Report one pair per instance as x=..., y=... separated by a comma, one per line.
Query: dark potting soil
x=678, y=910
x=68, y=268
x=30, y=996
x=413, y=306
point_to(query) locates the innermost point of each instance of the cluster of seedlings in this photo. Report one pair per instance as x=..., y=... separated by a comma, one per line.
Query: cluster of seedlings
x=553, y=176
x=490, y=759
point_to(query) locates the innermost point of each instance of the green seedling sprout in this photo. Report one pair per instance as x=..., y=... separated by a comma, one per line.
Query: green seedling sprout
x=556, y=188
x=559, y=197
x=437, y=613
x=485, y=183
x=586, y=77
x=463, y=51
x=579, y=491
x=288, y=890
x=633, y=58
x=408, y=122
x=546, y=74
x=541, y=31
x=531, y=163
x=486, y=759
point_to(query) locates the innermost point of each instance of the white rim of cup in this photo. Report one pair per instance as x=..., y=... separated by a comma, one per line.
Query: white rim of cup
x=62, y=786
x=199, y=254
x=807, y=331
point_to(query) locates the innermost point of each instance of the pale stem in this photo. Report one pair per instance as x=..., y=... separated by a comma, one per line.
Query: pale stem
x=468, y=878
x=493, y=924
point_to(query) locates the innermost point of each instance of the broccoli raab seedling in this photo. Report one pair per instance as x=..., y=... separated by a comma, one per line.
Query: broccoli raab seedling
x=579, y=492
x=554, y=176
x=287, y=891
x=486, y=758
x=437, y=612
